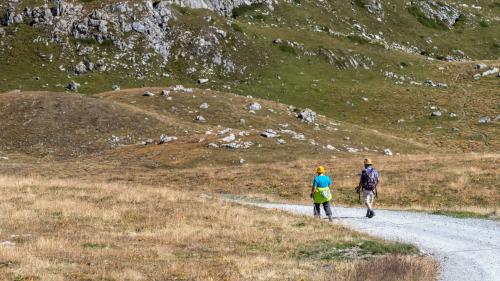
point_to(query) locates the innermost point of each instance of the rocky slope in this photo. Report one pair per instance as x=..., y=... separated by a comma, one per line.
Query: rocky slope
x=395, y=67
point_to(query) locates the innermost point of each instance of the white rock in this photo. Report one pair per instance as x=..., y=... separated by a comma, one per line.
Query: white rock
x=255, y=106
x=148, y=94
x=269, y=133
x=165, y=93
x=204, y=105
x=200, y=118
x=281, y=141
x=165, y=139
x=328, y=146
x=202, y=81
x=490, y=72
x=388, y=152
x=229, y=138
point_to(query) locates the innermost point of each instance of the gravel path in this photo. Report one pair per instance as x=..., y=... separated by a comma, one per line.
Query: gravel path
x=469, y=249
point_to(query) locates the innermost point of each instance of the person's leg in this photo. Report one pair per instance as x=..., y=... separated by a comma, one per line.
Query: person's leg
x=368, y=202
x=317, y=210
x=328, y=210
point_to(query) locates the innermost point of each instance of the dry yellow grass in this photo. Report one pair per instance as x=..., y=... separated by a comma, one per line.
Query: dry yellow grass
x=75, y=230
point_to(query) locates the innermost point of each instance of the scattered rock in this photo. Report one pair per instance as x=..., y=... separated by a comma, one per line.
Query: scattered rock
x=200, y=118
x=73, y=86
x=213, y=145
x=477, y=76
x=485, y=120
x=4, y=158
x=388, y=152
x=255, y=106
x=269, y=133
x=202, y=81
x=329, y=147
x=436, y=114
x=165, y=139
x=148, y=141
x=453, y=115
x=204, y=105
x=307, y=115
x=165, y=93
x=481, y=66
x=229, y=138
x=148, y=94
x=281, y=141
x=115, y=88
x=80, y=68
x=242, y=161
x=242, y=121
x=490, y=71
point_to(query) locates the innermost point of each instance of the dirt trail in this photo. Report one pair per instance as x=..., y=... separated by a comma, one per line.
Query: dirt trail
x=468, y=249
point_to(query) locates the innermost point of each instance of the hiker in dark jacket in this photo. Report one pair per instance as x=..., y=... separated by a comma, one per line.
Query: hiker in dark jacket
x=368, y=183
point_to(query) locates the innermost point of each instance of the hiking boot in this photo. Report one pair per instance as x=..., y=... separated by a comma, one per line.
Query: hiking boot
x=368, y=213
x=372, y=214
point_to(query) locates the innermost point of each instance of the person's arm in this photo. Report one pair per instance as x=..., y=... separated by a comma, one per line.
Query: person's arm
x=313, y=188
x=360, y=184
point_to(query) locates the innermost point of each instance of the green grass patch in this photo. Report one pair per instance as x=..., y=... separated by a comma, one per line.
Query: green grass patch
x=328, y=250
x=460, y=214
x=288, y=49
x=89, y=245
x=358, y=39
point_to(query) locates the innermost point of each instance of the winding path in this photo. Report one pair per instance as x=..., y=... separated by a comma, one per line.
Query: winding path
x=468, y=249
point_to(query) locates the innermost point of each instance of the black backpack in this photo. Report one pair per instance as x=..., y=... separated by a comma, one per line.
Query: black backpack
x=369, y=179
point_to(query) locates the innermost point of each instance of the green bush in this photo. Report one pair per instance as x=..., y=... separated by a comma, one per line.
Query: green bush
x=288, y=49
x=243, y=9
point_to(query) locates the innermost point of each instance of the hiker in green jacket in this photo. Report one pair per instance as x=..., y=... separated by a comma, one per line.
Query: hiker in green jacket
x=321, y=194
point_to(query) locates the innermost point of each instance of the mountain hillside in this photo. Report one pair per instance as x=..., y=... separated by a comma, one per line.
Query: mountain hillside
x=423, y=70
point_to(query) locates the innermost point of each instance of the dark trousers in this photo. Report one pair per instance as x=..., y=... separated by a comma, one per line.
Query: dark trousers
x=326, y=206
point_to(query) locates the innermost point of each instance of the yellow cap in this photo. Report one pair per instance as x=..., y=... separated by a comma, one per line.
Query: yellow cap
x=320, y=170
x=368, y=161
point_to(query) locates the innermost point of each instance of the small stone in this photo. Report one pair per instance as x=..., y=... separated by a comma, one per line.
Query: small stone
x=255, y=106
x=436, y=114
x=453, y=115
x=204, y=105
x=148, y=141
x=213, y=145
x=485, y=120
x=477, y=76
x=329, y=147
x=388, y=152
x=491, y=71
x=269, y=133
x=73, y=86
x=165, y=139
x=242, y=161
x=165, y=93
x=229, y=138
x=4, y=158
x=200, y=118
x=242, y=121
x=455, y=129
x=80, y=68
x=115, y=88
x=481, y=66
x=307, y=115
x=281, y=141
x=202, y=81
x=148, y=94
